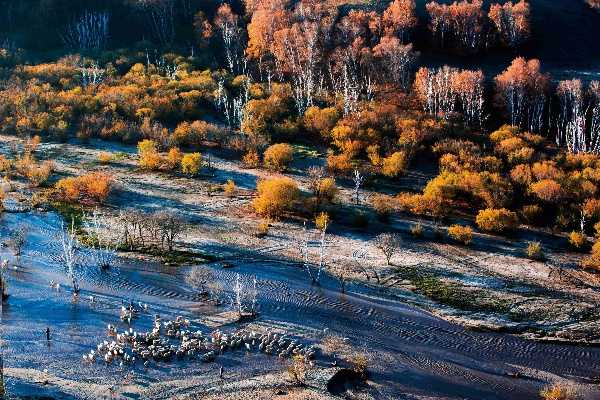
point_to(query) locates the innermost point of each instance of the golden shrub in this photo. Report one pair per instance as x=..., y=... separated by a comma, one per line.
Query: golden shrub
x=383, y=205
x=546, y=170
x=320, y=120
x=496, y=220
x=521, y=174
x=251, y=159
x=534, y=251
x=172, y=159
x=322, y=221
x=37, y=174
x=95, y=186
x=6, y=165
x=558, y=392
x=191, y=163
x=394, y=165
x=278, y=156
x=547, y=190
x=341, y=164
x=591, y=208
x=593, y=260
x=531, y=213
x=105, y=157
x=417, y=230
x=229, y=188
x=262, y=229
x=522, y=155
x=510, y=145
x=461, y=233
x=505, y=132
x=578, y=240
x=149, y=157
x=275, y=196
x=326, y=190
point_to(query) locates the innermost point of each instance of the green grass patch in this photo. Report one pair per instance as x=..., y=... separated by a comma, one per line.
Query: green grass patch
x=454, y=294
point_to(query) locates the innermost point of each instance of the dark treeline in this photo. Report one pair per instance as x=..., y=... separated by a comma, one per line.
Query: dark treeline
x=40, y=25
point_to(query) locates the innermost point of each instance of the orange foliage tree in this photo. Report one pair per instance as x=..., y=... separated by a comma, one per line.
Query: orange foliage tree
x=463, y=21
x=399, y=18
x=522, y=91
x=511, y=21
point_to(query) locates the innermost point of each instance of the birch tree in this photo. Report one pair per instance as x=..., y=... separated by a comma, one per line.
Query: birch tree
x=88, y=31
x=398, y=59
x=522, y=91
x=511, y=20
x=227, y=24
x=579, y=116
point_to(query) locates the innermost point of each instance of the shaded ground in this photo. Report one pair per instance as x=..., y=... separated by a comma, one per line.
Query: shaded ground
x=413, y=354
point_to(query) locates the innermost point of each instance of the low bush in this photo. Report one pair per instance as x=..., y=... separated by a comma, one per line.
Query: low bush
x=417, y=231
x=93, y=187
x=278, y=156
x=558, y=391
x=251, y=159
x=275, y=196
x=461, y=233
x=383, y=206
x=497, y=220
x=191, y=163
x=534, y=251
x=229, y=188
x=577, y=240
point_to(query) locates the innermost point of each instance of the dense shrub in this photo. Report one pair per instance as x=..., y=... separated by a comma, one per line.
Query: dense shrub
x=278, y=156
x=383, y=206
x=496, y=220
x=394, y=165
x=578, y=240
x=461, y=233
x=149, y=157
x=275, y=196
x=191, y=163
x=547, y=190
x=94, y=187
x=340, y=164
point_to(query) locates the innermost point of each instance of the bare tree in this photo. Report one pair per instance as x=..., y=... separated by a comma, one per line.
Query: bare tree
x=91, y=75
x=203, y=280
x=67, y=253
x=244, y=295
x=233, y=107
x=360, y=259
x=88, y=31
x=579, y=116
x=104, y=241
x=389, y=244
x=160, y=15
x=171, y=228
x=17, y=240
x=358, y=179
x=3, y=285
x=314, y=270
x=341, y=272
